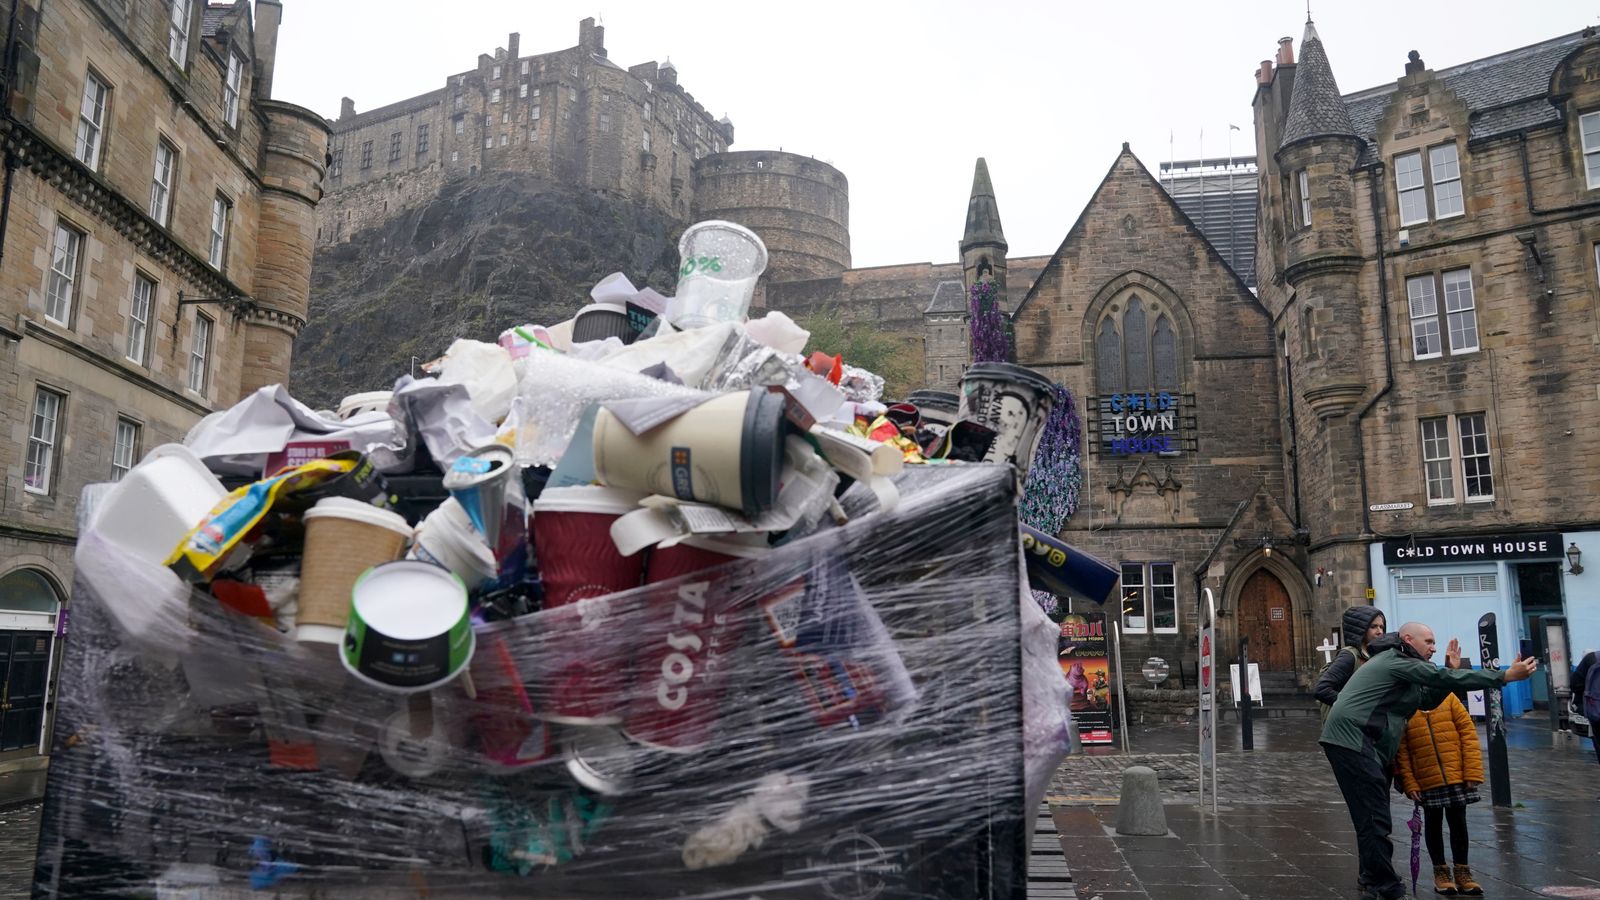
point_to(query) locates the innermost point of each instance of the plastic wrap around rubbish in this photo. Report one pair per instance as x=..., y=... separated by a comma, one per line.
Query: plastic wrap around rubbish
x=840, y=716
x=557, y=390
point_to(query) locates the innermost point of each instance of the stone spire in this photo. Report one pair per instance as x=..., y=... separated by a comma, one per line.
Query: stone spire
x=983, y=213
x=1315, y=107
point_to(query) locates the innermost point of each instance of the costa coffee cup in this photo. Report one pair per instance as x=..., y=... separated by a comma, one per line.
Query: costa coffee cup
x=408, y=629
x=687, y=633
x=581, y=666
x=344, y=538
x=727, y=451
x=502, y=715
x=1011, y=401
x=572, y=535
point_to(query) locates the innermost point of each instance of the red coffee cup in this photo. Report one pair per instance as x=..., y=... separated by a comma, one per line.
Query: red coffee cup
x=502, y=715
x=687, y=632
x=581, y=668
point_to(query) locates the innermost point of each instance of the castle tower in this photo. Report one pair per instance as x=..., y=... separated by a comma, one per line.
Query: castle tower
x=983, y=244
x=1316, y=155
x=293, y=161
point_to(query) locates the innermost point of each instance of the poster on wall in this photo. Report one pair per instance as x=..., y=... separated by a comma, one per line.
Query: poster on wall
x=1085, y=658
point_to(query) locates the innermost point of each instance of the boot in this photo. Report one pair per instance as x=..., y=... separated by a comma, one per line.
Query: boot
x=1443, y=883
x=1465, y=883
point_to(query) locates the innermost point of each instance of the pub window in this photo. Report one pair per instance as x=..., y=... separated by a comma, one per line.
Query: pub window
x=1149, y=598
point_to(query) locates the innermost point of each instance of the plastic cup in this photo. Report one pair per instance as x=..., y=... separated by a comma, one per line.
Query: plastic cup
x=344, y=538
x=727, y=451
x=720, y=263
x=1013, y=402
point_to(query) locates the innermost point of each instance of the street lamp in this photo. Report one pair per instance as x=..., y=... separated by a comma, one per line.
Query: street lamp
x=1574, y=557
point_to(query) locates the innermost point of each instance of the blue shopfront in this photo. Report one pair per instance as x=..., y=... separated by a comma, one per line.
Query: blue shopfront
x=1449, y=582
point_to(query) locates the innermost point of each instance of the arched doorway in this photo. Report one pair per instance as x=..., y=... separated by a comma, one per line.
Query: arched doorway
x=29, y=602
x=1266, y=617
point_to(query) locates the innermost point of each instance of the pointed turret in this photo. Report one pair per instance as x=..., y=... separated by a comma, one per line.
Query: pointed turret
x=1315, y=107
x=983, y=244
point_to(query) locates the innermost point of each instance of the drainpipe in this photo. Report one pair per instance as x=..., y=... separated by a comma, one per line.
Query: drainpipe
x=1527, y=185
x=1294, y=436
x=1373, y=183
x=6, y=71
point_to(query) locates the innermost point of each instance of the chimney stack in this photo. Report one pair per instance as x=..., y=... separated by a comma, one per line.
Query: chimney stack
x=1264, y=74
x=269, y=13
x=347, y=108
x=1286, y=51
x=513, y=45
x=592, y=37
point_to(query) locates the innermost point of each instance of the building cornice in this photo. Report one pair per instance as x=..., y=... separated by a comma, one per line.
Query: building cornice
x=40, y=535
x=114, y=367
x=86, y=188
x=1321, y=265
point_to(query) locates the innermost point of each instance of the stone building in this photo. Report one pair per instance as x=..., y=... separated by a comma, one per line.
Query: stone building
x=156, y=236
x=1428, y=253
x=1171, y=359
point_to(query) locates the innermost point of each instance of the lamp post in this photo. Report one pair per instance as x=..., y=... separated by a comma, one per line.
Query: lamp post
x=1574, y=559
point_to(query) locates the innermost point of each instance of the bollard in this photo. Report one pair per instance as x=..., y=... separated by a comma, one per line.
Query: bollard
x=1139, y=809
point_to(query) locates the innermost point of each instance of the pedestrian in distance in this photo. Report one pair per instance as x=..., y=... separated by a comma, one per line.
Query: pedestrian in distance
x=1361, y=626
x=1586, y=695
x=1364, y=728
x=1440, y=766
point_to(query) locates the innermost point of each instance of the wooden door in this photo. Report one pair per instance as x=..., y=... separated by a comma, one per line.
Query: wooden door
x=1267, y=619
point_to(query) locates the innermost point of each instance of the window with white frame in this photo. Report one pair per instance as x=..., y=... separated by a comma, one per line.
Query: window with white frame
x=505, y=117
x=1149, y=598
x=1455, y=449
x=1455, y=327
x=533, y=133
x=494, y=74
x=230, y=90
x=524, y=67
x=461, y=124
x=646, y=140
x=1589, y=127
x=1411, y=184
x=39, y=467
x=140, y=305
x=504, y=139
x=572, y=95
x=199, y=354
x=337, y=168
x=1303, y=188
x=62, y=288
x=648, y=109
x=178, y=31
x=221, y=209
x=161, y=180
x=422, y=140
x=488, y=141
x=91, y=121
x=1445, y=166
x=605, y=121
x=124, y=448
x=522, y=91
x=534, y=112
x=494, y=96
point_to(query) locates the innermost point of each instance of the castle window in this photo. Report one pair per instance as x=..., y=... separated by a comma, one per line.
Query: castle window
x=505, y=139
x=533, y=112
x=461, y=124
x=494, y=74
x=395, y=140
x=522, y=91
x=524, y=67
x=605, y=121
x=494, y=96
x=455, y=156
x=1131, y=354
x=572, y=95
x=535, y=93
x=505, y=117
x=605, y=97
x=91, y=121
x=1459, y=319
x=646, y=140
x=533, y=133
x=337, y=168
x=422, y=140
x=461, y=100
x=488, y=141
x=648, y=109
x=230, y=90
x=1463, y=456
x=1411, y=182
x=366, y=154
x=574, y=70
x=1303, y=189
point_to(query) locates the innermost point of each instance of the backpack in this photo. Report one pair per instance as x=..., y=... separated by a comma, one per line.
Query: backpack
x=1322, y=708
x=1591, y=692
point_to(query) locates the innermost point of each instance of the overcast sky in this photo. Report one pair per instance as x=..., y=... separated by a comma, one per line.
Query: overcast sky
x=903, y=96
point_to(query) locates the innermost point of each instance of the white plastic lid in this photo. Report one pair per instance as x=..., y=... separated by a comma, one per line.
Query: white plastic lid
x=356, y=511
x=589, y=498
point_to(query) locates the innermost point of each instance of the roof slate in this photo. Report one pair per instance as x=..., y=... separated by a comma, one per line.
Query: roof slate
x=1315, y=109
x=948, y=297
x=1504, y=93
x=212, y=19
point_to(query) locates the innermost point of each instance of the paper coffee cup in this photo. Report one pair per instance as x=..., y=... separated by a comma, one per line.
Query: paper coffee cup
x=1013, y=402
x=446, y=538
x=344, y=538
x=572, y=538
x=727, y=451
x=408, y=629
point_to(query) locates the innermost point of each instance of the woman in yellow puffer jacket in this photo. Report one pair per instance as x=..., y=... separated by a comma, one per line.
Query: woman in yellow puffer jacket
x=1440, y=766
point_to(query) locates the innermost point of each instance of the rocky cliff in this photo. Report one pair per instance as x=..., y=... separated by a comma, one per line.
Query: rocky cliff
x=488, y=253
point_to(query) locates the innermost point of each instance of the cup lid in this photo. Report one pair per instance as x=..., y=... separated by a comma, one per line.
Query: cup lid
x=356, y=511
x=602, y=760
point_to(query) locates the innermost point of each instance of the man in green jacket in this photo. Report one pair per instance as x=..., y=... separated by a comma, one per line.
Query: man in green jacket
x=1364, y=728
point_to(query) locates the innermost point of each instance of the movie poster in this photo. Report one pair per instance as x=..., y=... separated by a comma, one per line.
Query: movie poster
x=1085, y=658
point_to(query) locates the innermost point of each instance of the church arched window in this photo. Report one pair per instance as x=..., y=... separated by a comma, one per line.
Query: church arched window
x=1131, y=355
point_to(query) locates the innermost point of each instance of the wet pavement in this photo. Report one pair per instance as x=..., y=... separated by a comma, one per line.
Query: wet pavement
x=1281, y=832
x=19, y=832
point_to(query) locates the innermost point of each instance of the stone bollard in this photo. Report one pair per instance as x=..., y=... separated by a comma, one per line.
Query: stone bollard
x=1139, y=808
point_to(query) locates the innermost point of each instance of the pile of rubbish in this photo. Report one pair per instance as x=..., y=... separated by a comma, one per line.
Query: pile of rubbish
x=645, y=602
